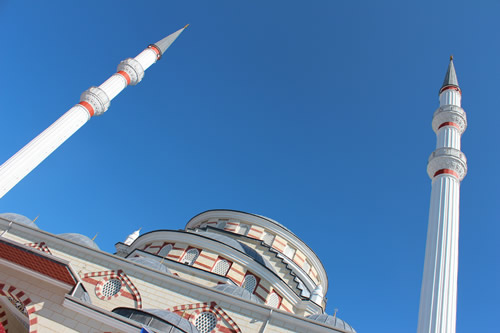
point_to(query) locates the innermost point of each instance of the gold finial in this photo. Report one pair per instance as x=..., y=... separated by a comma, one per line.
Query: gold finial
x=36, y=218
x=187, y=25
x=95, y=236
x=451, y=57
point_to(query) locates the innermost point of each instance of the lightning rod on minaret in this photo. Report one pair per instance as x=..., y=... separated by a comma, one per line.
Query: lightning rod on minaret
x=93, y=102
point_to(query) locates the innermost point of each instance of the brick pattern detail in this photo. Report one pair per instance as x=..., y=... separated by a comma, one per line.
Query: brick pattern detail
x=39, y=246
x=105, y=276
x=285, y=305
x=263, y=290
x=236, y=273
x=206, y=260
x=6, y=290
x=279, y=243
x=3, y=321
x=192, y=311
x=314, y=275
x=31, y=259
x=256, y=232
x=232, y=226
x=299, y=258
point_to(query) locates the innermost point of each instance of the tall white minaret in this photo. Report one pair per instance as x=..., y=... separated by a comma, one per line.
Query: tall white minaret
x=447, y=167
x=93, y=102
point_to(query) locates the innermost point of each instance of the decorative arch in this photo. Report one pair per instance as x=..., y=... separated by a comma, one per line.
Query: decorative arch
x=39, y=246
x=199, y=308
x=17, y=294
x=110, y=275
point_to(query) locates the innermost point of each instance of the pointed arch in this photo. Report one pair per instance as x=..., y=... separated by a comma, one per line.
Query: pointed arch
x=26, y=305
x=193, y=311
x=111, y=277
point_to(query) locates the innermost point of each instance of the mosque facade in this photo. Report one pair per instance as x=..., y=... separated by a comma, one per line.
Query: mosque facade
x=226, y=271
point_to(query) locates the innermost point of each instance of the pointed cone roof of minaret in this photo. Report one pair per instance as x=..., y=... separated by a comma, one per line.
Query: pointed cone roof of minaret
x=165, y=43
x=450, y=78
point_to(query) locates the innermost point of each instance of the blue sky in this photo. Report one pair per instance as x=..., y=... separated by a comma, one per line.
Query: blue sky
x=314, y=113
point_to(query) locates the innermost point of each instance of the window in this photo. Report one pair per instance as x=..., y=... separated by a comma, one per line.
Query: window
x=221, y=224
x=206, y=322
x=249, y=283
x=289, y=251
x=165, y=250
x=306, y=266
x=190, y=256
x=221, y=267
x=274, y=300
x=268, y=239
x=243, y=229
x=111, y=287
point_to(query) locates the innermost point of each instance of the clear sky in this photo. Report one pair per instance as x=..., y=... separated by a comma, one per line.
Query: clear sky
x=314, y=113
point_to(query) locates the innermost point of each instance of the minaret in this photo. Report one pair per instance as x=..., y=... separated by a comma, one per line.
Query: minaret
x=447, y=167
x=93, y=102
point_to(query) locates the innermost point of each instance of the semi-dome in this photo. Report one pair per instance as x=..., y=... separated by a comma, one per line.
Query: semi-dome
x=332, y=321
x=19, y=219
x=80, y=239
x=237, y=291
x=173, y=319
x=238, y=246
x=151, y=263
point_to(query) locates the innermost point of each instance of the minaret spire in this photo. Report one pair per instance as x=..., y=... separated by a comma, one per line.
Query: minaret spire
x=450, y=79
x=447, y=167
x=93, y=102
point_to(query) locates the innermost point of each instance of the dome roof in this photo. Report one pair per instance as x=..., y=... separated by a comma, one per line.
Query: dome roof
x=332, y=321
x=151, y=263
x=237, y=291
x=80, y=239
x=19, y=219
x=238, y=246
x=173, y=319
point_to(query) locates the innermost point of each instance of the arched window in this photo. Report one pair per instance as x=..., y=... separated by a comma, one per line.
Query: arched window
x=273, y=300
x=221, y=267
x=205, y=322
x=249, y=283
x=165, y=250
x=190, y=256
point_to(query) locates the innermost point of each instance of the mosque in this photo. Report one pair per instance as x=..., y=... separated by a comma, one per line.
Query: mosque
x=226, y=271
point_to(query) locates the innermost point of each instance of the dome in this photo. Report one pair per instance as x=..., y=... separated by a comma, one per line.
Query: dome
x=151, y=263
x=173, y=319
x=19, y=219
x=80, y=239
x=238, y=246
x=237, y=291
x=332, y=321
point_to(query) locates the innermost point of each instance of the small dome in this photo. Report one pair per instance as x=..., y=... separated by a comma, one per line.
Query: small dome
x=151, y=263
x=19, y=219
x=173, y=319
x=238, y=292
x=331, y=321
x=80, y=239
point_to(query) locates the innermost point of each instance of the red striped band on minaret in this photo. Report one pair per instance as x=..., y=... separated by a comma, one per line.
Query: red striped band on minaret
x=447, y=171
x=156, y=50
x=451, y=87
x=125, y=75
x=87, y=106
x=449, y=123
